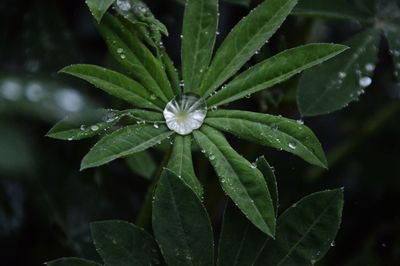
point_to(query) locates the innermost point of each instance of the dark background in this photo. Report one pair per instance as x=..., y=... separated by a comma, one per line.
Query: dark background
x=46, y=204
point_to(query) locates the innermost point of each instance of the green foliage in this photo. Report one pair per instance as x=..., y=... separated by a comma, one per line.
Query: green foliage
x=334, y=85
x=185, y=236
x=99, y=7
x=149, y=81
x=305, y=231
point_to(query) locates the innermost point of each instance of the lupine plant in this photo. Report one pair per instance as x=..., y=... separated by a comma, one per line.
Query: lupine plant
x=187, y=115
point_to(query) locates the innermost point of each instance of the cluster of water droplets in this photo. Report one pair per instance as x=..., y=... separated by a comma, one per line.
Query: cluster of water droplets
x=185, y=113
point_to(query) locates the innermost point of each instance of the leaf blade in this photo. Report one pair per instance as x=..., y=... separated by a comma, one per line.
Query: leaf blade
x=181, y=163
x=72, y=262
x=186, y=239
x=115, y=84
x=199, y=30
x=249, y=35
x=99, y=7
x=121, y=243
x=273, y=131
x=321, y=92
x=320, y=215
x=240, y=180
x=274, y=70
x=124, y=142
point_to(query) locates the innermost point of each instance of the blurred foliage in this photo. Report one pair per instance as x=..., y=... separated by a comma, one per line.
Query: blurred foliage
x=46, y=204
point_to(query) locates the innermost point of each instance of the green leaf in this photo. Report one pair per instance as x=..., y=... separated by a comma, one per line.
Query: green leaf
x=240, y=180
x=144, y=116
x=275, y=70
x=199, y=30
x=181, y=163
x=338, y=9
x=135, y=57
x=239, y=2
x=333, y=85
x=99, y=7
x=181, y=224
x=240, y=241
x=269, y=176
x=120, y=243
x=124, y=142
x=71, y=262
x=248, y=36
x=142, y=164
x=79, y=126
x=137, y=13
x=171, y=72
x=305, y=231
x=115, y=84
x=274, y=131
x=392, y=34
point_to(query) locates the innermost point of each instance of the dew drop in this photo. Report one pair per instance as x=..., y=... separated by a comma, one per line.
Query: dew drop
x=120, y=50
x=211, y=157
x=300, y=122
x=370, y=67
x=365, y=82
x=124, y=5
x=342, y=75
x=94, y=128
x=82, y=128
x=185, y=113
x=123, y=56
x=156, y=125
x=153, y=97
x=292, y=145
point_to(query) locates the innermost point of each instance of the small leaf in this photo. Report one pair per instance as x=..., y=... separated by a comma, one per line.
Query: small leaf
x=392, y=34
x=181, y=163
x=240, y=180
x=248, y=36
x=135, y=57
x=240, y=241
x=275, y=70
x=305, y=231
x=274, y=131
x=199, y=30
x=79, y=126
x=269, y=176
x=124, y=142
x=120, y=243
x=115, y=84
x=71, y=262
x=99, y=7
x=142, y=164
x=181, y=224
x=338, y=9
x=333, y=85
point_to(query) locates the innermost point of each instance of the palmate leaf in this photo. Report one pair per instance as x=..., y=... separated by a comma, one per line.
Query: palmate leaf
x=88, y=124
x=99, y=7
x=171, y=71
x=115, y=84
x=305, y=231
x=274, y=131
x=181, y=224
x=275, y=70
x=181, y=163
x=120, y=243
x=72, y=262
x=240, y=180
x=135, y=57
x=248, y=36
x=199, y=30
x=124, y=142
x=333, y=85
x=240, y=241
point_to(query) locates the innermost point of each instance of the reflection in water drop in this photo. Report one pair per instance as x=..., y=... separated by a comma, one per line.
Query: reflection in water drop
x=185, y=113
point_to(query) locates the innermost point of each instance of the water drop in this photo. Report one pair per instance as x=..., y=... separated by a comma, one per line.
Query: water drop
x=300, y=122
x=156, y=125
x=82, y=127
x=365, y=82
x=124, y=5
x=342, y=75
x=120, y=50
x=94, y=128
x=292, y=145
x=370, y=67
x=185, y=113
x=123, y=56
x=153, y=97
x=212, y=157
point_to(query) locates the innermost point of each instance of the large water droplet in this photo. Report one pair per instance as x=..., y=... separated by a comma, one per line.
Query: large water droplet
x=185, y=113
